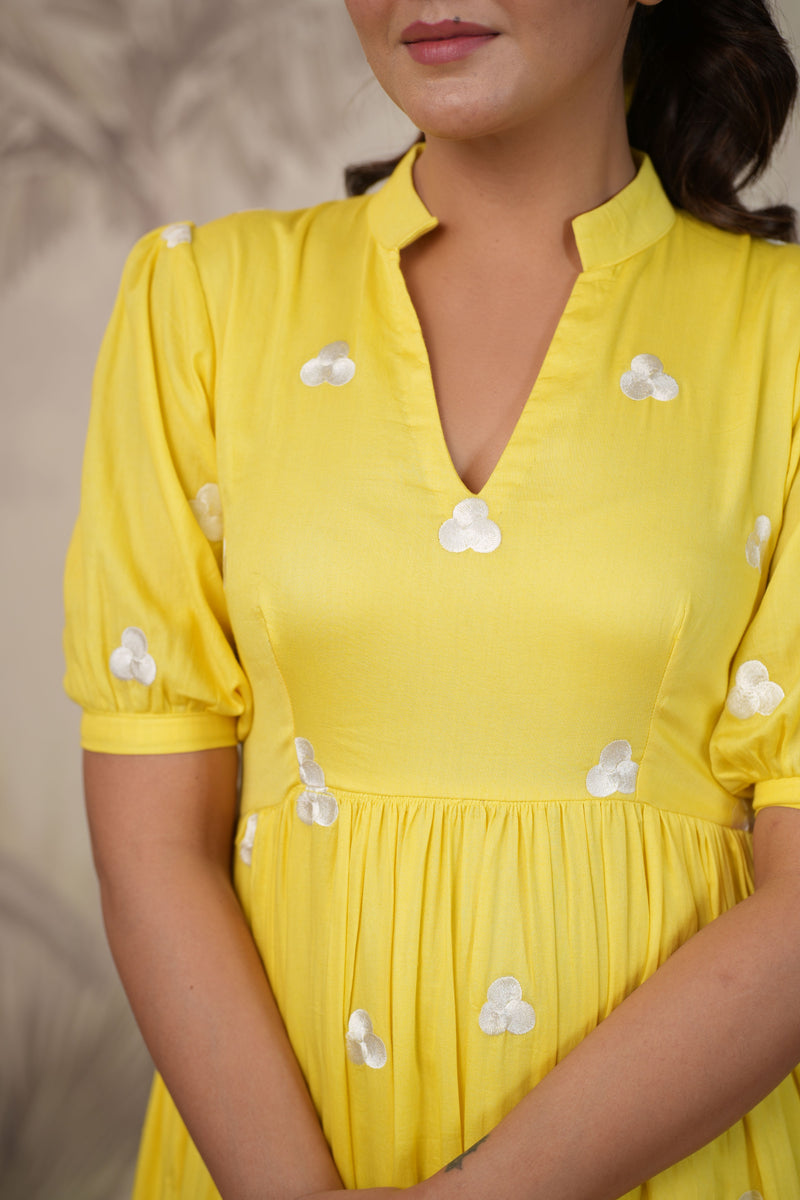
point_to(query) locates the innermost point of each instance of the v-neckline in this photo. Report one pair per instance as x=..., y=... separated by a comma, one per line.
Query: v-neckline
x=631, y=221
x=430, y=403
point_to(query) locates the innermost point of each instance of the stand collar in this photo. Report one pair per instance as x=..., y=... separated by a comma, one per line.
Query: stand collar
x=626, y=224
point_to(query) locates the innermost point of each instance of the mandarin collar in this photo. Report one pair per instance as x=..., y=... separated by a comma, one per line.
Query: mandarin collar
x=629, y=222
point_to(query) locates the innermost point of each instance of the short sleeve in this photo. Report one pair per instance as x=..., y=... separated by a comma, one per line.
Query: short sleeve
x=149, y=649
x=755, y=748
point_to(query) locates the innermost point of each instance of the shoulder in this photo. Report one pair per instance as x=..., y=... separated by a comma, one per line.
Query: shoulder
x=237, y=265
x=253, y=258
x=253, y=230
x=742, y=290
x=268, y=236
x=755, y=263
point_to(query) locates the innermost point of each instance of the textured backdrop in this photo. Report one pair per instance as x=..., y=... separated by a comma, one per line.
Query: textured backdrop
x=117, y=115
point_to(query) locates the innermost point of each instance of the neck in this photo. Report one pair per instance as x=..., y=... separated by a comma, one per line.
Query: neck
x=528, y=183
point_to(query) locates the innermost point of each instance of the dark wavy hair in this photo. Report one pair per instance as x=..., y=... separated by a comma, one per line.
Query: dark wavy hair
x=712, y=85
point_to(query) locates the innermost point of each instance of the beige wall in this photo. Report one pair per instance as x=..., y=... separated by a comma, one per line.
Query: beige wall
x=127, y=114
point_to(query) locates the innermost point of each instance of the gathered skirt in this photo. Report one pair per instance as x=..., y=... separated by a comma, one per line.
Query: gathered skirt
x=434, y=959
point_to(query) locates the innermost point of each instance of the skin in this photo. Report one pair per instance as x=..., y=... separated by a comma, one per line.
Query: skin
x=162, y=829
x=549, y=54
x=521, y=137
x=532, y=124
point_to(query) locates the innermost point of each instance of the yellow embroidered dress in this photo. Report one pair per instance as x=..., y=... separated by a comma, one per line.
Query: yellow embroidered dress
x=500, y=752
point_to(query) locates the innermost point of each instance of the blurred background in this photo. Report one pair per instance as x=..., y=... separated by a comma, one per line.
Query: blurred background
x=115, y=116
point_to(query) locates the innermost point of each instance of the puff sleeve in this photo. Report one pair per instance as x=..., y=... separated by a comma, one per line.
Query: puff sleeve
x=149, y=648
x=755, y=748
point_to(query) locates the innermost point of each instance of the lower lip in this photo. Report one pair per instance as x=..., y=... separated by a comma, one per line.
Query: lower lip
x=447, y=49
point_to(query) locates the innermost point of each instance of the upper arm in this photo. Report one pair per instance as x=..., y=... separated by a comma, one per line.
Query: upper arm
x=144, y=806
x=755, y=746
x=150, y=651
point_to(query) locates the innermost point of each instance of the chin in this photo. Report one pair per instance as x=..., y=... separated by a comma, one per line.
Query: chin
x=454, y=119
x=459, y=131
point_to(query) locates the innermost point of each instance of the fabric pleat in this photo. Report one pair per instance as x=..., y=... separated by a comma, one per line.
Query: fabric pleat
x=409, y=909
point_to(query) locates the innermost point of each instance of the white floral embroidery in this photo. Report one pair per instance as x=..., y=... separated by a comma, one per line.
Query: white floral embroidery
x=647, y=378
x=753, y=692
x=614, y=773
x=364, y=1046
x=758, y=541
x=316, y=805
x=331, y=365
x=469, y=528
x=742, y=816
x=505, y=1011
x=131, y=660
x=173, y=235
x=754, y=1195
x=207, y=508
x=248, y=841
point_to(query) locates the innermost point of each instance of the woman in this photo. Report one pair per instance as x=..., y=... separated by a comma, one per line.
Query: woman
x=508, y=629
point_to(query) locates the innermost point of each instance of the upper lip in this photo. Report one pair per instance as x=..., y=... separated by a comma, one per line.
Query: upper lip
x=421, y=31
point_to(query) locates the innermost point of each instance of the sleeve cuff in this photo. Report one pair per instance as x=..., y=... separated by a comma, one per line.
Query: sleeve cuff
x=143, y=733
x=784, y=793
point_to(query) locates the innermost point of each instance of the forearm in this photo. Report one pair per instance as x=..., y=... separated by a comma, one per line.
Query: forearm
x=678, y=1062
x=206, y=1012
x=162, y=838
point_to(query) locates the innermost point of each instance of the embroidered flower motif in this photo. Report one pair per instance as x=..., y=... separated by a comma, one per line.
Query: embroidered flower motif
x=753, y=1195
x=173, y=235
x=316, y=805
x=647, y=378
x=614, y=773
x=207, y=508
x=753, y=692
x=248, y=841
x=757, y=541
x=505, y=1011
x=742, y=816
x=131, y=660
x=469, y=528
x=331, y=365
x=364, y=1046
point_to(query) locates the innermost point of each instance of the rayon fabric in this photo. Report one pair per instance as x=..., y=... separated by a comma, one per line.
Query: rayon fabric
x=501, y=753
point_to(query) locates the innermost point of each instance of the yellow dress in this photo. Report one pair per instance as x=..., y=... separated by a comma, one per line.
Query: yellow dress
x=501, y=752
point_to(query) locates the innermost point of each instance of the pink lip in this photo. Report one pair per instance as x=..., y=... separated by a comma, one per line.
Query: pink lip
x=445, y=41
x=421, y=31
